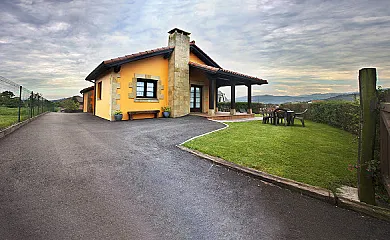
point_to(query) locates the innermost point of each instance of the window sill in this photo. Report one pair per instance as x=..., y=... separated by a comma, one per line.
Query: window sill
x=151, y=100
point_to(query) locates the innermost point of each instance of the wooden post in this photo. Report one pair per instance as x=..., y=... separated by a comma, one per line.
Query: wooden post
x=249, y=111
x=233, y=98
x=211, y=95
x=368, y=104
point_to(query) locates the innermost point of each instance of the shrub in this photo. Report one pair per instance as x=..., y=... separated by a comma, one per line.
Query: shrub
x=340, y=114
x=70, y=105
x=225, y=106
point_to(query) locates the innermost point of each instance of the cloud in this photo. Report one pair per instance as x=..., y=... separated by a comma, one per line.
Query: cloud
x=300, y=47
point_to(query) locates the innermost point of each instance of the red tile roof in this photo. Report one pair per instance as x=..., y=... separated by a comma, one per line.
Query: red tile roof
x=87, y=89
x=127, y=57
x=216, y=70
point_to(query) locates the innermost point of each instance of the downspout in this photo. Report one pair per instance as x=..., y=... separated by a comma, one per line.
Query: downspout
x=94, y=98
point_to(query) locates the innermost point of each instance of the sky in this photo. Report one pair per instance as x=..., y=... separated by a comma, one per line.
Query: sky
x=300, y=47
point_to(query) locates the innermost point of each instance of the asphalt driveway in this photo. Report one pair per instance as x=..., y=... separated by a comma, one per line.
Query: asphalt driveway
x=75, y=176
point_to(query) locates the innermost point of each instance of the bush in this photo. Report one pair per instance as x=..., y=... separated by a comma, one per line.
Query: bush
x=225, y=106
x=70, y=105
x=340, y=114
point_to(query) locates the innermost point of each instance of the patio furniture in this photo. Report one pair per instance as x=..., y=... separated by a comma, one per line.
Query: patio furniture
x=280, y=116
x=268, y=116
x=299, y=116
x=131, y=113
x=290, y=117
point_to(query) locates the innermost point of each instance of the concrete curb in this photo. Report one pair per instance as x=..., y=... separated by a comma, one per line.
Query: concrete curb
x=312, y=191
x=6, y=131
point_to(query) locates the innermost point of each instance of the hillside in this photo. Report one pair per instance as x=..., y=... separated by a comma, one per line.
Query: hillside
x=283, y=99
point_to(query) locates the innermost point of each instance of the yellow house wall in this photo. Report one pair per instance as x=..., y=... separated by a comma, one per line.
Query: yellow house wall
x=103, y=108
x=88, y=98
x=85, y=99
x=199, y=78
x=194, y=58
x=154, y=66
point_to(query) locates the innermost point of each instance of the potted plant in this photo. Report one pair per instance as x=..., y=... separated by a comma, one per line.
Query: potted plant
x=166, y=111
x=118, y=115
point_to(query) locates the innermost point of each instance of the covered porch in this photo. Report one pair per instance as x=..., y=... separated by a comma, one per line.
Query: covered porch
x=205, y=81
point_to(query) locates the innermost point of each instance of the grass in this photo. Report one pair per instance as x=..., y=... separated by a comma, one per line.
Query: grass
x=317, y=154
x=9, y=116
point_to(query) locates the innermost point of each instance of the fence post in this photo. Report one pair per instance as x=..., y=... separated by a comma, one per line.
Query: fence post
x=20, y=102
x=31, y=104
x=368, y=104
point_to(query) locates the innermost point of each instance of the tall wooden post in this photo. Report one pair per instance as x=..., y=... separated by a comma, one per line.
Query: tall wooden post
x=368, y=104
x=249, y=111
x=233, y=98
x=211, y=95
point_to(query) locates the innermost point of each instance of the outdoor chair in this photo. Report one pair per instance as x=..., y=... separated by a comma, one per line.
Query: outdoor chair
x=280, y=116
x=268, y=116
x=299, y=116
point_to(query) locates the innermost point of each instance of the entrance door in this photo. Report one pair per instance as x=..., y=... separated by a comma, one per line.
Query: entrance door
x=196, y=99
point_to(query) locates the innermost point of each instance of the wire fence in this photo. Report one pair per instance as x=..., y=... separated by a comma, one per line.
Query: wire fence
x=17, y=103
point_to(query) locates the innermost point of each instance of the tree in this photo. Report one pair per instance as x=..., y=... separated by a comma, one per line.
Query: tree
x=69, y=105
x=7, y=99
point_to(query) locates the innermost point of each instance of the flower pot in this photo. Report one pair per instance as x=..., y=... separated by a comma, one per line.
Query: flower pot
x=166, y=114
x=118, y=117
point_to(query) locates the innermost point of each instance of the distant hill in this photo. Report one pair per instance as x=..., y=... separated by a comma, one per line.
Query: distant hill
x=79, y=99
x=284, y=99
x=346, y=97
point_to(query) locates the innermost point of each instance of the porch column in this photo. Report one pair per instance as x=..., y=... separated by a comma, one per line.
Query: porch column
x=216, y=96
x=211, y=95
x=249, y=98
x=233, y=98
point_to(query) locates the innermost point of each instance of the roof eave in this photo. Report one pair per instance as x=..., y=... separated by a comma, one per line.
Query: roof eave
x=203, y=56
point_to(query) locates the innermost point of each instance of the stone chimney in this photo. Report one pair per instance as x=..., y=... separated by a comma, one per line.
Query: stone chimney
x=179, y=73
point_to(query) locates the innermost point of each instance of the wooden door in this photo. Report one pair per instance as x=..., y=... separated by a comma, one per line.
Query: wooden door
x=196, y=98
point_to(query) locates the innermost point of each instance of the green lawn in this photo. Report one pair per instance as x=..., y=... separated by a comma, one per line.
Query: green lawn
x=317, y=154
x=9, y=116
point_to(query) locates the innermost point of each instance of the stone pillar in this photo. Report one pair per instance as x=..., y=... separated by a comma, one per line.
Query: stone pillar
x=179, y=73
x=233, y=98
x=249, y=98
x=115, y=96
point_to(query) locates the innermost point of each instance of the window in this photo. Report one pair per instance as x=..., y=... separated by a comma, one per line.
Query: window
x=99, y=90
x=146, y=88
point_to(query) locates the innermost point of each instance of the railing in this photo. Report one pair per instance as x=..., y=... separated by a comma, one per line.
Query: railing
x=384, y=144
x=18, y=103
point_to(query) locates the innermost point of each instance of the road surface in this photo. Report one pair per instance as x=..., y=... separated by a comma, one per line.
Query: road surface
x=75, y=176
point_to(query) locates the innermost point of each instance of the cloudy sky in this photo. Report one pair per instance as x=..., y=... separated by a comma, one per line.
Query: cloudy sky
x=300, y=47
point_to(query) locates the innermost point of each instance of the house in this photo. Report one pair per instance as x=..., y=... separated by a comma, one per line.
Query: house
x=80, y=101
x=222, y=97
x=180, y=76
x=88, y=99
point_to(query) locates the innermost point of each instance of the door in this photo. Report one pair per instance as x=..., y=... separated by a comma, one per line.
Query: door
x=196, y=98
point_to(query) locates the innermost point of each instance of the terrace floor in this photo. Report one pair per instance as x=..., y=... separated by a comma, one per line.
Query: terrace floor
x=224, y=116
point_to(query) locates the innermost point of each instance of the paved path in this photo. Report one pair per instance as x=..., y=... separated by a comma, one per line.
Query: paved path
x=74, y=176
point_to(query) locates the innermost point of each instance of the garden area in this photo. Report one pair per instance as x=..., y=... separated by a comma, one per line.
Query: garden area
x=317, y=154
x=323, y=154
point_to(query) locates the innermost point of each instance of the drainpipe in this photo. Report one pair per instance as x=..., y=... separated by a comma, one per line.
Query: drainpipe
x=94, y=99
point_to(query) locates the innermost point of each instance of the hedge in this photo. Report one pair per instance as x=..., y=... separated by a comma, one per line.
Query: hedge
x=243, y=106
x=340, y=114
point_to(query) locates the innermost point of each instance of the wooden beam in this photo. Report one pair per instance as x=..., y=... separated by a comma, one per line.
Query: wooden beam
x=233, y=98
x=249, y=99
x=211, y=91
